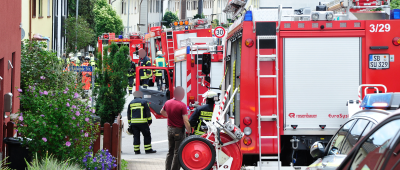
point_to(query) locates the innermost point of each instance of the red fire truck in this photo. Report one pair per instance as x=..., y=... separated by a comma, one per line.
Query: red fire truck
x=135, y=42
x=295, y=69
x=184, y=46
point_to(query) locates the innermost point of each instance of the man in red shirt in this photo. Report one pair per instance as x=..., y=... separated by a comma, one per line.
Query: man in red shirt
x=177, y=114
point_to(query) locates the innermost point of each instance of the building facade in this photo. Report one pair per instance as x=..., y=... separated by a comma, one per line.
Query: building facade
x=10, y=58
x=59, y=15
x=41, y=22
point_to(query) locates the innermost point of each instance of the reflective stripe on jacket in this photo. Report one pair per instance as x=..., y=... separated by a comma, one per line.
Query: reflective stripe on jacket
x=205, y=112
x=145, y=62
x=139, y=111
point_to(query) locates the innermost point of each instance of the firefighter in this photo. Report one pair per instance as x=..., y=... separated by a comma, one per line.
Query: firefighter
x=144, y=74
x=139, y=120
x=160, y=62
x=92, y=60
x=78, y=58
x=86, y=76
x=68, y=59
x=72, y=63
x=131, y=77
x=205, y=111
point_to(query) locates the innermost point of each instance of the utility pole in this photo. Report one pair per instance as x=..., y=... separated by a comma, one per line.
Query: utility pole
x=76, y=25
x=200, y=7
x=127, y=26
x=161, y=14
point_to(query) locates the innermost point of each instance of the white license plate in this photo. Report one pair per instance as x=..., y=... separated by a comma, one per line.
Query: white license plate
x=379, y=61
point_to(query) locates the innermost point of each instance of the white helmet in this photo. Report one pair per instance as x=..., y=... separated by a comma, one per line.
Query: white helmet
x=71, y=55
x=87, y=58
x=72, y=59
x=79, y=54
x=210, y=94
x=159, y=53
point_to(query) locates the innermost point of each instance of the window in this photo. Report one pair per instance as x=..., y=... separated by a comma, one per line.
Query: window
x=354, y=136
x=151, y=6
x=33, y=8
x=40, y=8
x=375, y=147
x=48, y=8
x=158, y=6
x=340, y=137
x=122, y=7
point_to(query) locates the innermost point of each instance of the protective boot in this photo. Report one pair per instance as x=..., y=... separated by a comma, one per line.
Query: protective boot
x=151, y=151
x=137, y=152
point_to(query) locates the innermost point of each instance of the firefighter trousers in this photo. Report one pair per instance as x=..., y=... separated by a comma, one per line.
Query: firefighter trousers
x=130, y=83
x=144, y=83
x=159, y=82
x=145, y=129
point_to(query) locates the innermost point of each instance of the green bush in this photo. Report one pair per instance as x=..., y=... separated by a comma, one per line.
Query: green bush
x=52, y=114
x=395, y=4
x=169, y=17
x=124, y=164
x=50, y=163
x=110, y=95
x=3, y=164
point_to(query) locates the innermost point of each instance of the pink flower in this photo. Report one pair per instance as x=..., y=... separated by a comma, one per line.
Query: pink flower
x=86, y=134
x=77, y=113
x=20, y=90
x=42, y=77
x=73, y=106
x=87, y=119
x=68, y=143
x=42, y=115
x=93, y=111
x=21, y=118
x=45, y=93
x=65, y=92
x=44, y=139
x=73, y=118
x=67, y=104
x=76, y=95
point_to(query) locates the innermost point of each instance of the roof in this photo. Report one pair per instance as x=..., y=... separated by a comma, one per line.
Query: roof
x=373, y=114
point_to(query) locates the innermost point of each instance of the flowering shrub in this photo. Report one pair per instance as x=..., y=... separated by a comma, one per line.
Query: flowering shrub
x=56, y=121
x=102, y=160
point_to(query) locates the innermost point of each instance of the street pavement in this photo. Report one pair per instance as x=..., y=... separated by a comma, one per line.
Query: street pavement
x=159, y=142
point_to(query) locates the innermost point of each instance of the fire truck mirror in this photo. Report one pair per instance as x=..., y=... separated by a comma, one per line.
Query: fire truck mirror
x=206, y=63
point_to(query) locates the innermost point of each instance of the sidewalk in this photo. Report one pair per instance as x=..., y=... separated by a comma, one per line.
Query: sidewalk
x=150, y=164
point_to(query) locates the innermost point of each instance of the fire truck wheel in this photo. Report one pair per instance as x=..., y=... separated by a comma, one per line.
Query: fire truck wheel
x=195, y=153
x=232, y=150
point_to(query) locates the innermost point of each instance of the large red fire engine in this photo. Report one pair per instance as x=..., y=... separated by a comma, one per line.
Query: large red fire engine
x=184, y=46
x=135, y=42
x=293, y=71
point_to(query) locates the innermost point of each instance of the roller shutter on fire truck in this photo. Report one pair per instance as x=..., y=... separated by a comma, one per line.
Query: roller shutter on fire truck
x=320, y=74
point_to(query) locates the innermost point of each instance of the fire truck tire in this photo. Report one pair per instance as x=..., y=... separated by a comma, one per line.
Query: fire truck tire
x=196, y=153
x=232, y=150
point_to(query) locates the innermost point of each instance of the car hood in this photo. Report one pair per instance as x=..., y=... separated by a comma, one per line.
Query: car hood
x=330, y=162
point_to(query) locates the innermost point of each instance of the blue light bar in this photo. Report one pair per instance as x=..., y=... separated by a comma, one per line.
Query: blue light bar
x=377, y=101
x=248, y=16
x=395, y=14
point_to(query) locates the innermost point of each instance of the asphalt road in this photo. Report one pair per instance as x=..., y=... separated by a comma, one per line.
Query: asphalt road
x=159, y=139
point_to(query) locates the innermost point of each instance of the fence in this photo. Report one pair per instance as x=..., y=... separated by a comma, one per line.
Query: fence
x=112, y=137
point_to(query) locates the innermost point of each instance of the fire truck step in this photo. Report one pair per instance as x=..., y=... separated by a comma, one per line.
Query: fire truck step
x=267, y=57
x=269, y=157
x=268, y=118
x=269, y=137
x=267, y=37
x=267, y=96
x=267, y=76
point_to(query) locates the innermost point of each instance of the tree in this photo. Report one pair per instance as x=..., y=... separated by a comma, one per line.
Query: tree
x=170, y=17
x=215, y=23
x=85, y=11
x=106, y=19
x=113, y=80
x=78, y=34
x=395, y=4
x=199, y=16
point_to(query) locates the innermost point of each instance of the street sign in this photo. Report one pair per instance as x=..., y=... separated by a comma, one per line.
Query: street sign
x=81, y=68
x=219, y=32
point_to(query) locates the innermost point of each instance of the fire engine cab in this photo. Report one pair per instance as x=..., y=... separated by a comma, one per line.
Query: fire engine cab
x=290, y=72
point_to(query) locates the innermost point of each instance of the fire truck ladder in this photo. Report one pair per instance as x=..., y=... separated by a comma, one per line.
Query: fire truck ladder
x=274, y=117
x=170, y=39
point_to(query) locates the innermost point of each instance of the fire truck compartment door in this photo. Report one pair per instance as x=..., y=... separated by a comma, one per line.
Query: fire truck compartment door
x=320, y=75
x=155, y=98
x=180, y=78
x=216, y=77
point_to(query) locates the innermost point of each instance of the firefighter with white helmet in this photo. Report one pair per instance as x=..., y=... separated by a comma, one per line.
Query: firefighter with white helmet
x=205, y=111
x=78, y=59
x=160, y=62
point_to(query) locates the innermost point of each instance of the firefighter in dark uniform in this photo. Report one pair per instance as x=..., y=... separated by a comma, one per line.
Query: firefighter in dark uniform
x=144, y=74
x=131, y=77
x=139, y=119
x=205, y=111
